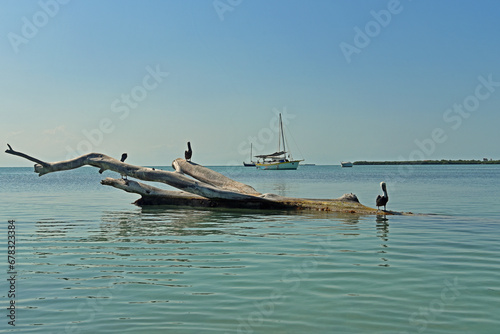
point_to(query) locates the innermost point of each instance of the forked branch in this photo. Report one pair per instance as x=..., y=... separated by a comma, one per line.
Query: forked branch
x=221, y=189
x=203, y=188
x=25, y=156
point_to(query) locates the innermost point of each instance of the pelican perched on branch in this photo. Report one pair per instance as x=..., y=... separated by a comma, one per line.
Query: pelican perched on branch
x=124, y=156
x=189, y=153
x=382, y=200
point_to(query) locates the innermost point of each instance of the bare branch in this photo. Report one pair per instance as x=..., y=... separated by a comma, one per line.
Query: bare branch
x=146, y=190
x=174, y=179
x=25, y=156
x=208, y=189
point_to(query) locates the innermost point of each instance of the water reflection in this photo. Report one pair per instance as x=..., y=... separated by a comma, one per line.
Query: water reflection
x=175, y=234
x=382, y=226
x=158, y=221
x=155, y=222
x=190, y=257
x=51, y=228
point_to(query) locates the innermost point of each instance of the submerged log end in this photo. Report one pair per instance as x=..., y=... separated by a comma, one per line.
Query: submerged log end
x=349, y=198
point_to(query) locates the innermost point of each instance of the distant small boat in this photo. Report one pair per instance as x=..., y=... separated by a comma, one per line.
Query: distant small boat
x=346, y=164
x=251, y=163
x=280, y=160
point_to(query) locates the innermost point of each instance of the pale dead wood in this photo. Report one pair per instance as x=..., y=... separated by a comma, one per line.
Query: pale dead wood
x=155, y=196
x=212, y=177
x=146, y=189
x=25, y=156
x=208, y=189
x=174, y=179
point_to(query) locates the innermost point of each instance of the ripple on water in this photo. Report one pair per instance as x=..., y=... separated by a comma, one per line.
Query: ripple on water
x=189, y=270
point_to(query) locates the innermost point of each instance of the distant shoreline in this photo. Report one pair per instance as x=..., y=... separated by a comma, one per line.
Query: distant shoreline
x=430, y=162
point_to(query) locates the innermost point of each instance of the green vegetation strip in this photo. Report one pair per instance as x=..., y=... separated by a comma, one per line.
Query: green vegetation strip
x=430, y=162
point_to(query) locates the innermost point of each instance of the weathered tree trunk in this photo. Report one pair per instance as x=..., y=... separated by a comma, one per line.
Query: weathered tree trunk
x=207, y=189
x=175, y=179
x=155, y=196
x=211, y=177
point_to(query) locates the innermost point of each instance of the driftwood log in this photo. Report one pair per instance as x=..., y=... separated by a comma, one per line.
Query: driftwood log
x=199, y=186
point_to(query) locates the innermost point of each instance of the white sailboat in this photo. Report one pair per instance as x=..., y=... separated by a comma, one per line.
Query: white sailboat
x=280, y=160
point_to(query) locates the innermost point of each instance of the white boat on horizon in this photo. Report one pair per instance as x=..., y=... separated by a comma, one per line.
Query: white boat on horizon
x=280, y=160
x=346, y=164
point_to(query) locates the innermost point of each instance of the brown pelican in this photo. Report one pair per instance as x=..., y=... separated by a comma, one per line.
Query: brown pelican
x=189, y=153
x=124, y=156
x=382, y=200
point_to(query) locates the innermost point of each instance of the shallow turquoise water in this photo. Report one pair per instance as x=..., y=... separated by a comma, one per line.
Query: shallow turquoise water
x=88, y=261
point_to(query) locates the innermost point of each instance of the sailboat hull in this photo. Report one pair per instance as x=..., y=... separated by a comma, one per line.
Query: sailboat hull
x=290, y=165
x=279, y=160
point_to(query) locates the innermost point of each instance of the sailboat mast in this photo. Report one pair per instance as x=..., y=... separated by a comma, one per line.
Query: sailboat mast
x=279, y=136
x=282, y=134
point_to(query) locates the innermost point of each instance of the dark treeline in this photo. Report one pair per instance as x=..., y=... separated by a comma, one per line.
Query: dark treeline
x=429, y=162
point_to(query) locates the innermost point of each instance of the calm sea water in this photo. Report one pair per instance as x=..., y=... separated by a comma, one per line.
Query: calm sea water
x=89, y=261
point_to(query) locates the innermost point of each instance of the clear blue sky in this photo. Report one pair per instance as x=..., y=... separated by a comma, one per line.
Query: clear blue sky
x=358, y=80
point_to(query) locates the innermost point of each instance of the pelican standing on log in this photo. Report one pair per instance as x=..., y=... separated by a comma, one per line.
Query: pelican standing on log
x=382, y=200
x=189, y=153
